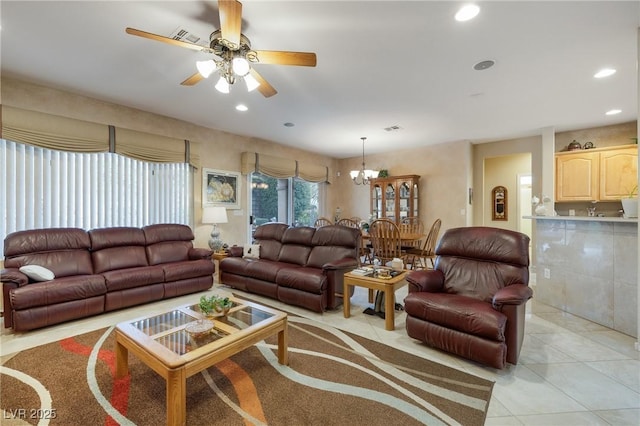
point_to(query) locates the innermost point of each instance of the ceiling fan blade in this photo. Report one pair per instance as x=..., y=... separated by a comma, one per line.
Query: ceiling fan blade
x=167, y=40
x=193, y=80
x=230, y=20
x=276, y=57
x=265, y=88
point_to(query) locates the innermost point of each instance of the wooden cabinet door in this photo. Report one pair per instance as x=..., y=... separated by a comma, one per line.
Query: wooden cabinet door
x=618, y=173
x=577, y=176
x=395, y=197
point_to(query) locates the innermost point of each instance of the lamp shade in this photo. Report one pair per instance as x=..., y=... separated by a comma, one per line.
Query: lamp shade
x=214, y=215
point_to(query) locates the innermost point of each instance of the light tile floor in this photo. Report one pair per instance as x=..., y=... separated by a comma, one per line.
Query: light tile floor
x=571, y=371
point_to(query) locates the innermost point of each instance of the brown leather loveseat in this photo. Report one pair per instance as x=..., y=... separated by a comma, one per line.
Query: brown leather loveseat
x=301, y=266
x=473, y=303
x=97, y=271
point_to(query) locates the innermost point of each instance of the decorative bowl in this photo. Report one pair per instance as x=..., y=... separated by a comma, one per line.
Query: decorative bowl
x=199, y=328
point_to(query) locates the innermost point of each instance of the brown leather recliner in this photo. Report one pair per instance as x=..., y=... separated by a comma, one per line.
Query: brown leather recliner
x=473, y=303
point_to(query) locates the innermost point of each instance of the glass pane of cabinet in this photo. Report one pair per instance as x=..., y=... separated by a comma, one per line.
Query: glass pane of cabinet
x=395, y=197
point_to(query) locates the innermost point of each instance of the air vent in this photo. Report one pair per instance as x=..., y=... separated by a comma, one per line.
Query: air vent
x=392, y=128
x=181, y=34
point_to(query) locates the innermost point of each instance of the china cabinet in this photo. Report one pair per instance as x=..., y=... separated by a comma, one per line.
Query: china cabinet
x=606, y=174
x=395, y=197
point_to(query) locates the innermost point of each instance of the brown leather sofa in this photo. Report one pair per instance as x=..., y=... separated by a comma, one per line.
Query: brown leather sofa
x=97, y=271
x=301, y=266
x=473, y=303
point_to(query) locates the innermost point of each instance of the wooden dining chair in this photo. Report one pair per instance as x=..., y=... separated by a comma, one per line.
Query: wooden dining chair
x=418, y=257
x=412, y=225
x=322, y=221
x=385, y=239
x=365, y=251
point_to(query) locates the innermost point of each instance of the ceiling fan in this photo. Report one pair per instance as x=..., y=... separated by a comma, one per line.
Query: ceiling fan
x=232, y=52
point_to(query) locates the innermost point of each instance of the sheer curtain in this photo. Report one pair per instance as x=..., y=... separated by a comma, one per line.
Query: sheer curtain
x=43, y=188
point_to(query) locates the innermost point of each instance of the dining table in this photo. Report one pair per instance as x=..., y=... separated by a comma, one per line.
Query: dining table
x=405, y=237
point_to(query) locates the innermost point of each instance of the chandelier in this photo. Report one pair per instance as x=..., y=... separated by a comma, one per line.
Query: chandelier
x=235, y=62
x=363, y=176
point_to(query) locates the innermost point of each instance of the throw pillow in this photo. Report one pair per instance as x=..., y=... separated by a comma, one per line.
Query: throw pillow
x=37, y=273
x=252, y=251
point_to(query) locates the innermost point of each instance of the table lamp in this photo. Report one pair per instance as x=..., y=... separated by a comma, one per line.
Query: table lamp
x=215, y=215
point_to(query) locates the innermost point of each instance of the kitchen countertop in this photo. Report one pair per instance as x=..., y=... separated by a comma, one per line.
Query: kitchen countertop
x=585, y=218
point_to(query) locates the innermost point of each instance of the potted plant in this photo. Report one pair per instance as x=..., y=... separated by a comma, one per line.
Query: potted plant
x=207, y=305
x=630, y=203
x=222, y=305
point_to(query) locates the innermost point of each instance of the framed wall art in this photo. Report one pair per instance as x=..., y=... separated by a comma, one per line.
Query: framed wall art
x=500, y=211
x=220, y=188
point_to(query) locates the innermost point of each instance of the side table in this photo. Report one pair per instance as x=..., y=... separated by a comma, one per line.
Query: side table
x=218, y=256
x=389, y=286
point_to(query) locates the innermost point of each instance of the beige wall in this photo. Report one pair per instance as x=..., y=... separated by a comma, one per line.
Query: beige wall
x=506, y=150
x=504, y=171
x=444, y=171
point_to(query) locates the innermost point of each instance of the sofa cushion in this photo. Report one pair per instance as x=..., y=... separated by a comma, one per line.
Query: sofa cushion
x=252, y=251
x=37, y=272
x=294, y=254
x=310, y=280
x=167, y=252
x=190, y=269
x=58, y=290
x=465, y=314
x=117, y=248
x=120, y=279
x=266, y=270
x=64, y=251
x=269, y=236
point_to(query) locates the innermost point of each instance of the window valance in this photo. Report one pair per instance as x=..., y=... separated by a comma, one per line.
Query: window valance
x=148, y=147
x=53, y=131
x=68, y=134
x=282, y=168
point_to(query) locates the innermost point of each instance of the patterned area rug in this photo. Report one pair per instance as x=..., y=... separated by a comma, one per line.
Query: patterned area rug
x=334, y=378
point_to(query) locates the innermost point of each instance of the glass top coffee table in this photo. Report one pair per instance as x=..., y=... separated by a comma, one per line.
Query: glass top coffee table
x=162, y=342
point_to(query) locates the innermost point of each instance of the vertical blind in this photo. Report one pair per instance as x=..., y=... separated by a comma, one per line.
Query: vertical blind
x=43, y=188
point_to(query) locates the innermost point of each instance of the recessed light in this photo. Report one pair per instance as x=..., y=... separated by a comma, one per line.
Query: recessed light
x=483, y=65
x=242, y=107
x=467, y=12
x=289, y=124
x=605, y=72
x=613, y=112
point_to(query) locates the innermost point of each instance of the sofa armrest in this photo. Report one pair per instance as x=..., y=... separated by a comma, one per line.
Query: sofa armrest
x=429, y=280
x=341, y=264
x=200, y=253
x=13, y=276
x=514, y=294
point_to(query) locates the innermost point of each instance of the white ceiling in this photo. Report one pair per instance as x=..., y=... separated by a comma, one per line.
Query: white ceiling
x=380, y=64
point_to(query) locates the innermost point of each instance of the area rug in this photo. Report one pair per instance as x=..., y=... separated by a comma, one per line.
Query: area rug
x=333, y=378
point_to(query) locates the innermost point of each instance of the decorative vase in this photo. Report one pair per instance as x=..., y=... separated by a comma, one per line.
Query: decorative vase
x=630, y=207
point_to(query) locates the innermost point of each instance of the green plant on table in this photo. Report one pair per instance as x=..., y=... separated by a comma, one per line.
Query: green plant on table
x=215, y=303
x=633, y=193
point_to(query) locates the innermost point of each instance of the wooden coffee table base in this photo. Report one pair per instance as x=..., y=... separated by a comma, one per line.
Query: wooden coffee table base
x=176, y=370
x=388, y=286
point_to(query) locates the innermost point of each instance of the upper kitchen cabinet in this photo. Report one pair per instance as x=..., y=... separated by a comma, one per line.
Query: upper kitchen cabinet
x=618, y=172
x=606, y=174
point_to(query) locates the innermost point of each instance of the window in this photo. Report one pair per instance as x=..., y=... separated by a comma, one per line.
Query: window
x=292, y=200
x=44, y=188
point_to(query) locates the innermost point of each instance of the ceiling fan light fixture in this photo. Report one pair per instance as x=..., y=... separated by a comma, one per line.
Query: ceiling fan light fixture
x=241, y=66
x=251, y=82
x=222, y=85
x=205, y=68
